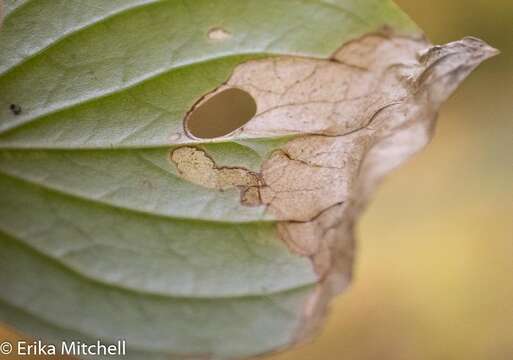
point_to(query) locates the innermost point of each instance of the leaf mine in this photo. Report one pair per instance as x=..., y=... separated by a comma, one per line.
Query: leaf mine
x=355, y=117
x=195, y=166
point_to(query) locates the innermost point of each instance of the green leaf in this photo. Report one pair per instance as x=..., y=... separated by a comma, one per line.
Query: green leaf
x=100, y=234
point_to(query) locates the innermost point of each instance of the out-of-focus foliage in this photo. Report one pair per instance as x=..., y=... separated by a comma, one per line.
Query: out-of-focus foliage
x=434, y=276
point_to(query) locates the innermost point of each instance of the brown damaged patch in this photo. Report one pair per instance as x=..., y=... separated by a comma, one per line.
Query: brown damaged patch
x=310, y=174
x=196, y=166
x=357, y=116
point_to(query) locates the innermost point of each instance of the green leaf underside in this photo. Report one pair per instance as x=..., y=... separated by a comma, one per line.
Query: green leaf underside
x=99, y=235
x=112, y=313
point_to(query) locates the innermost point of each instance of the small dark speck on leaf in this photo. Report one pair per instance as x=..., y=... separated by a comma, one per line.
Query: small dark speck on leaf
x=16, y=109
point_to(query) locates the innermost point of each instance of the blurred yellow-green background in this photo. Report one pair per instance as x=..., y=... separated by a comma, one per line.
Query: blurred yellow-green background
x=434, y=274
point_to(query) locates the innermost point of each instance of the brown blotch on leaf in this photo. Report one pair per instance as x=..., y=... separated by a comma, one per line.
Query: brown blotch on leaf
x=196, y=166
x=357, y=116
x=251, y=196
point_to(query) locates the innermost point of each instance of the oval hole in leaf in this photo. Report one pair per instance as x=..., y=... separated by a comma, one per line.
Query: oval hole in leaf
x=221, y=114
